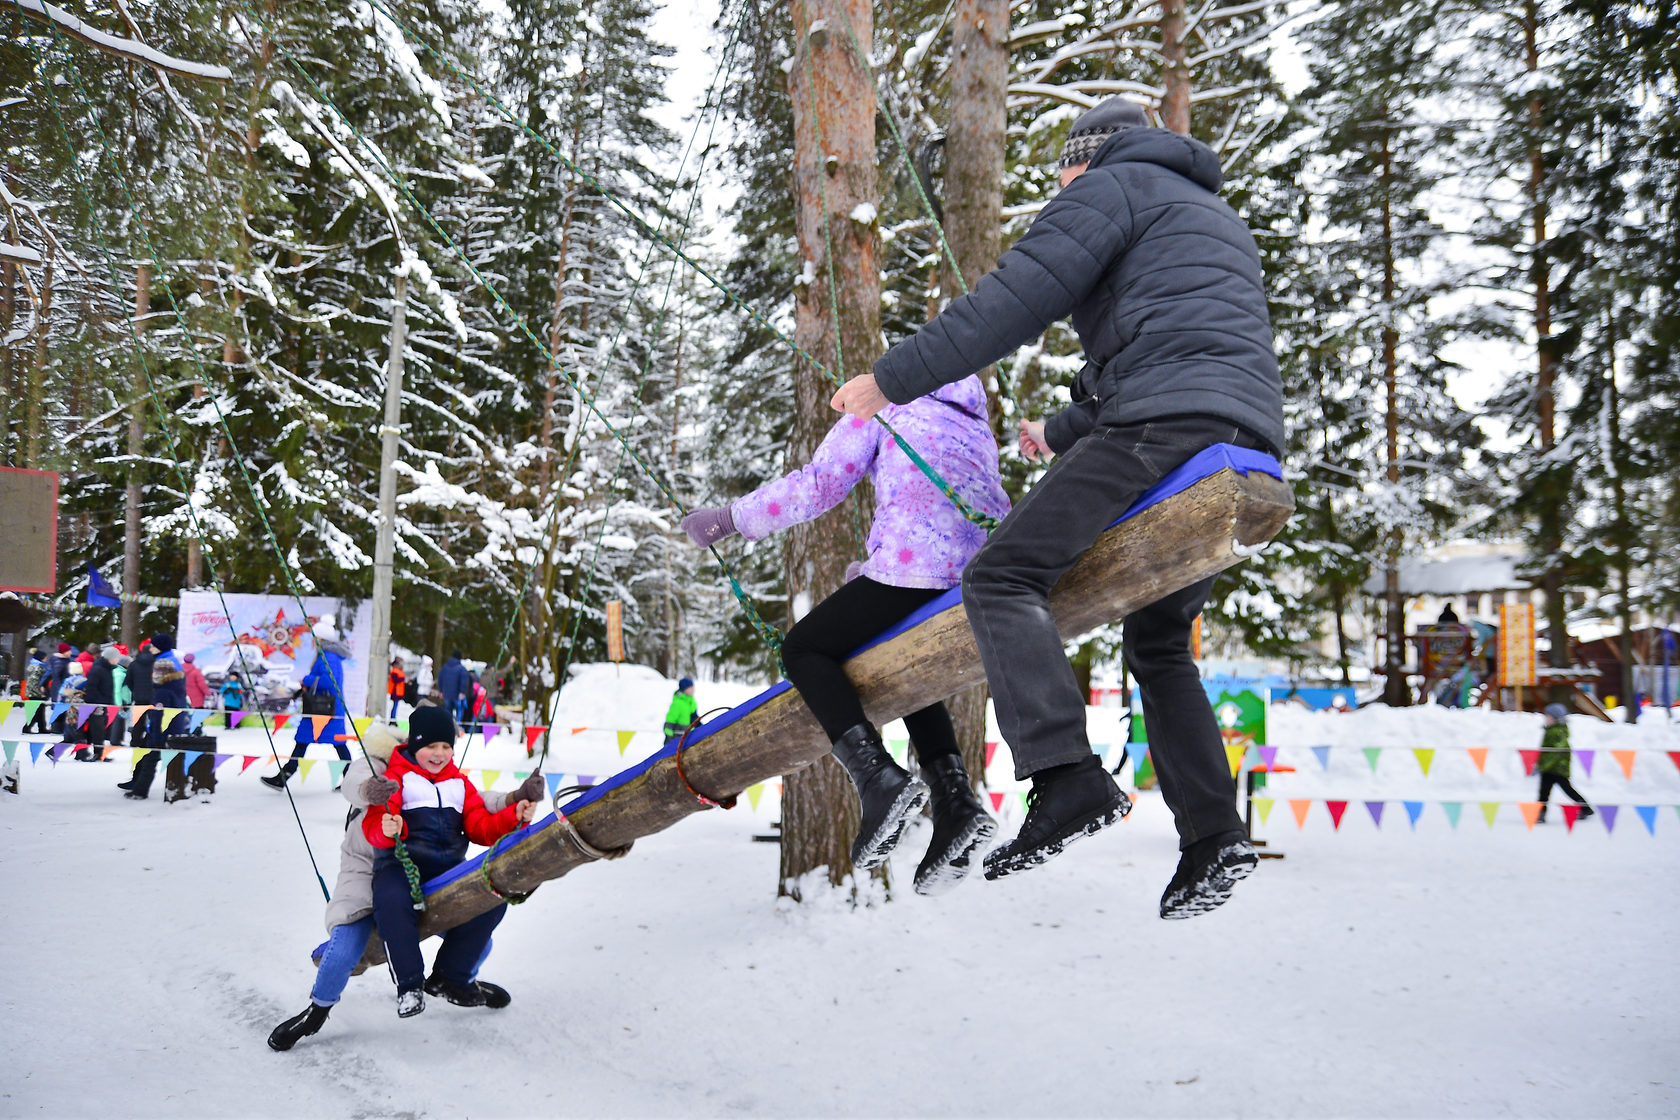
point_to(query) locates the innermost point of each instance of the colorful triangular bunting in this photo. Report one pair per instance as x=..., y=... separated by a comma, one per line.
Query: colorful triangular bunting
x=250, y=758
x=1648, y=814
x=991, y=753
x=997, y=801
x=1452, y=809
x=1478, y=755
x=1234, y=755
x=1530, y=812
x=1337, y=808
x=1585, y=758
x=1375, y=808
x=1490, y=810
x=1607, y=813
x=216, y=761
x=337, y=767
x=624, y=738
x=10, y=747
x=1371, y=756
x=532, y=734
x=320, y=725
x=1414, y=810
x=489, y=777
x=1571, y=814
x=1299, y=808
x=1530, y=759
x=1323, y=756
x=58, y=751
x=754, y=792
x=1624, y=759
x=553, y=781
x=1263, y=806
x=196, y=720
x=1425, y=756
x=280, y=720
x=166, y=757
x=1268, y=755
x=304, y=767
x=35, y=753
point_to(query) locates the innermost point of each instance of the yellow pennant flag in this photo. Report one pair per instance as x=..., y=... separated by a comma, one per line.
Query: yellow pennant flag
x=169, y=715
x=754, y=793
x=1425, y=756
x=1530, y=812
x=624, y=738
x=6, y=709
x=1478, y=755
x=1299, y=808
x=1263, y=806
x=304, y=767
x=363, y=724
x=1234, y=755
x=489, y=777
x=1624, y=759
x=1490, y=809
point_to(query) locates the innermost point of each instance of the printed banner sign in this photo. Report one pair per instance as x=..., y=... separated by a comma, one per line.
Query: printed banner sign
x=1516, y=645
x=273, y=639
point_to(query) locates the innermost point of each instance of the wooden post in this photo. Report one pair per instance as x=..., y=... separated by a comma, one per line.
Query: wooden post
x=1176, y=542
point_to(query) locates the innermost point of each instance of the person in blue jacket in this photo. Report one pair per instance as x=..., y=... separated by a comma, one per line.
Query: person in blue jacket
x=325, y=678
x=1162, y=282
x=453, y=686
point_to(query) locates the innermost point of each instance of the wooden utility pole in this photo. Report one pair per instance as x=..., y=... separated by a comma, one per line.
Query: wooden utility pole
x=836, y=192
x=130, y=625
x=974, y=161
x=384, y=549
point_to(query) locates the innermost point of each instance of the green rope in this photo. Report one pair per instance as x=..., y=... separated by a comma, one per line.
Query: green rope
x=933, y=476
x=154, y=397
x=764, y=629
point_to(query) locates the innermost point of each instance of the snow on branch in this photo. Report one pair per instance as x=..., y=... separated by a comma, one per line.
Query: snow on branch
x=55, y=16
x=21, y=253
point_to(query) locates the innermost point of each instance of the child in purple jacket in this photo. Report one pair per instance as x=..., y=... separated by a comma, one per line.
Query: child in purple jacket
x=918, y=546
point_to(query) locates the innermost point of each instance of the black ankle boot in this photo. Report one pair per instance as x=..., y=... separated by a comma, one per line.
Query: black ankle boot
x=1066, y=803
x=887, y=793
x=304, y=1023
x=960, y=825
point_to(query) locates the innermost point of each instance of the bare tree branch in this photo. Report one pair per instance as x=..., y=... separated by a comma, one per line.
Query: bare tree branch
x=53, y=15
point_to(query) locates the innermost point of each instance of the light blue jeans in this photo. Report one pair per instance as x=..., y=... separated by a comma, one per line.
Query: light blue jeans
x=336, y=958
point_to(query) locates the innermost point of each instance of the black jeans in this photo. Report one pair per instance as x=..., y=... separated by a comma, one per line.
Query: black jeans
x=1006, y=590
x=817, y=646
x=399, y=926
x=1561, y=781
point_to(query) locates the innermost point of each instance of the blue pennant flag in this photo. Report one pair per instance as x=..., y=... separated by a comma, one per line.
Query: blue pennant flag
x=197, y=718
x=1414, y=810
x=1137, y=751
x=1648, y=814
x=1323, y=756
x=99, y=592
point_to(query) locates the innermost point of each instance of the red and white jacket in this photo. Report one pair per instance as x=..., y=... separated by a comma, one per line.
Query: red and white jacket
x=440, y=812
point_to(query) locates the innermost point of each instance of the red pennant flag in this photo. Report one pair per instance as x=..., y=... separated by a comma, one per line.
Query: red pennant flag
x=280, y=720
x=1674, y=757
x=991, y=750
x=250, y=758
x=1337, y=808
x=997, y=802
x=532, y=734
x=1571, y=813
x=1530, y=760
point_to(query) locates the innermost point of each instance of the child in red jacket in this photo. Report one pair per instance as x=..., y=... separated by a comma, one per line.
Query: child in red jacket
x=435, y=811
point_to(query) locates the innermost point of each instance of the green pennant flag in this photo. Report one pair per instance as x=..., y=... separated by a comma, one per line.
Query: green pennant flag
x=1490, y=810
x=11, y=749
x=338, y=766
x=1371, y=756
x=29, y=707
x=166, y=757
x=1452, y=809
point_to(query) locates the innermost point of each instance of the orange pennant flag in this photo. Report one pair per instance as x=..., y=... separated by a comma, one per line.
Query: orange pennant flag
x=1299, y=808
x=1478, y=755
x=1530, y=812
x=320, y=723
x=1624, y=759
x=575, y=730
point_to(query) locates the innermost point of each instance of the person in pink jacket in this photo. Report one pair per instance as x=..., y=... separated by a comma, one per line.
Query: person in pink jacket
x=917, y=548
x=198, y=689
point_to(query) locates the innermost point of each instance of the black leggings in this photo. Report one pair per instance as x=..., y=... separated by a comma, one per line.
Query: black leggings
x=1547, y=781
x=819, y=643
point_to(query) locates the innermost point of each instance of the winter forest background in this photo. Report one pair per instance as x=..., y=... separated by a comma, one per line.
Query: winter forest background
x=1468, y=213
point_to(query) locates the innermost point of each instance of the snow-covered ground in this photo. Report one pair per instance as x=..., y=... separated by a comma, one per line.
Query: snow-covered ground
x=1469, y=971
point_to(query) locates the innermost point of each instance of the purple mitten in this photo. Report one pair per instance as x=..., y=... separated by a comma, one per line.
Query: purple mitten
x=707, y=526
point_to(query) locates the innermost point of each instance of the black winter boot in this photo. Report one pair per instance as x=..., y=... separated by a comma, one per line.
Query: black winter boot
x=477, y=993
x=305, y=1022
x=960, y=825
x=1207, y=870
x=1065, y=804
x=887, y=793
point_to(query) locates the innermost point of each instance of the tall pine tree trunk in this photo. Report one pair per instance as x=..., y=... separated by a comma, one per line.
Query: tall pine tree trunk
x=1552, y=485
x=974, y=154
x=1395, y=690
x=130, y=624
x=834, y=174
x=1175, y=74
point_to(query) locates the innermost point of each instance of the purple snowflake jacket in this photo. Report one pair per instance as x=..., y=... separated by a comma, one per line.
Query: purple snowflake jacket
x=919, y=538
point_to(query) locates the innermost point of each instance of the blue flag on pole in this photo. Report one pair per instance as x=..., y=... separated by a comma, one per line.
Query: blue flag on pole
x=99, y=592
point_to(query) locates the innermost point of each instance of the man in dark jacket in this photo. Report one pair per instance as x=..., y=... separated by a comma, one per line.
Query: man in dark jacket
x=141, y=690
x=452, y=685
x=1162, y=282
x=101, y=689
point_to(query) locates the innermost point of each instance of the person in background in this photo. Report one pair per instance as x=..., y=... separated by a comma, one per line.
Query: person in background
x=35, y=687
x=58, y=667
x=87, y=657
x=325, y=678
x=198, y=689
x=169, y=690
x=424, y=681
x=125, y=697
x=1448, y=616
x=233, y=694
x=1555, y=759
x=101, y=690
x=141, y=690
x=396, y=683
x=683, y=712
x=73, y=692
x=452, y=684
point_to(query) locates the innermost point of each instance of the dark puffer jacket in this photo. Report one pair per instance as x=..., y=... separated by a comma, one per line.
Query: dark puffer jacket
x=1162, y=281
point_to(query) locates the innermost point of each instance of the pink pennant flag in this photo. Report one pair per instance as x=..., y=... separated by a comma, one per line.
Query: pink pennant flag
x=997, y=802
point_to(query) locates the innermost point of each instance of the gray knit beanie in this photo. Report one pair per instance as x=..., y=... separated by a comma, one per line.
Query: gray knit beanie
x=1095, y=126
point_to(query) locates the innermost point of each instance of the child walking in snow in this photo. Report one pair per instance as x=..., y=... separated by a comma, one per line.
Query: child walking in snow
x=435, y=810
x=350, y=913
x=1554, y=761
x=918, y=545
x=682, y=713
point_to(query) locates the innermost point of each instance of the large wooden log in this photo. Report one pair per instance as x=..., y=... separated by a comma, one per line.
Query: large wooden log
x=1171, y=544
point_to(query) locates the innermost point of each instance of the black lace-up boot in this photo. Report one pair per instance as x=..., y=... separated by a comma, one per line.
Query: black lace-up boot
x=886, y=791
x=1065, y=804
x=960, y=826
